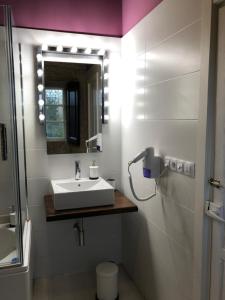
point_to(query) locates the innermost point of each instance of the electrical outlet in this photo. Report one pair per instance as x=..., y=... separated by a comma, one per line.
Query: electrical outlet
x=180, y=166
x=173, y=164
x=189, y=168
x=167, y=162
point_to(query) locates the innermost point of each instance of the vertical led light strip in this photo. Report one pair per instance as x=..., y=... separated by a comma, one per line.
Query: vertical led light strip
x=105, y=88
x=71, y=50
x=40, y=85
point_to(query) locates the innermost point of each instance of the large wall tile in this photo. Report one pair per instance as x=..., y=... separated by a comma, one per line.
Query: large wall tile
x=168, y=18
x=176, y=56
x=37, y=188
x=176, y=138
x=173, y=99
x=37, y=163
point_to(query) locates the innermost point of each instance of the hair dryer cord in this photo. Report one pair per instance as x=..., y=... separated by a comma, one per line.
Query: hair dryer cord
x=132, y=186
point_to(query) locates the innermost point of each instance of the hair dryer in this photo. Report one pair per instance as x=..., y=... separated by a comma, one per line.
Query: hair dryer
x=151, y=163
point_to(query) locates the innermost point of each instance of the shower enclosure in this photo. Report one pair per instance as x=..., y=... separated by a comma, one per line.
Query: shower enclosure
x=13, y=188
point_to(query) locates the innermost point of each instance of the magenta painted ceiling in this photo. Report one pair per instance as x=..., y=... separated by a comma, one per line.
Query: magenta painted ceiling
x=101, y=17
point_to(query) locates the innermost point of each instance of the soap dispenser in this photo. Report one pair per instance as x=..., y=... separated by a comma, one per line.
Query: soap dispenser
x=93, y=171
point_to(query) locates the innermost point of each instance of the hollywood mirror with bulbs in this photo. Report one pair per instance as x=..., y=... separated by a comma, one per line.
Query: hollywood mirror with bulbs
x=72, y=97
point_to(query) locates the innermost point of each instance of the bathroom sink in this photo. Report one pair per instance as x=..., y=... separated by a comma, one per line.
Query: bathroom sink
x=71, y=193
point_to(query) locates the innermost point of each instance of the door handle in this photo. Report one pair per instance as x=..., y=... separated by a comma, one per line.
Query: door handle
x=214, y=216
x=215, y=183
x=214, y=210
x=3, y=134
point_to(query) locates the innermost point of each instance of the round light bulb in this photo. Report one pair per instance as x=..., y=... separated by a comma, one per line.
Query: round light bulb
x=39, y=72
x=41, y=102
x=40, y=87
x=41, y=117
x=106, y=76
x=39, y=57
x=44, y=47
x=87, y=51
x=73, y=50
x=59, y=48
x=106, y=90
x=101, y=52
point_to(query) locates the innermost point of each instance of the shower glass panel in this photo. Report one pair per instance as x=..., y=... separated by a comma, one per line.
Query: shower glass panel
x=18, y=82
x=11, y=253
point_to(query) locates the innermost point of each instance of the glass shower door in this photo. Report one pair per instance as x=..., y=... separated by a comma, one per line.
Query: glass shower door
x=10, y=207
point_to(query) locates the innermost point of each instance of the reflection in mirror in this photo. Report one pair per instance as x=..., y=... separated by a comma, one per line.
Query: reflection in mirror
x=73, y=104
x=70, y=93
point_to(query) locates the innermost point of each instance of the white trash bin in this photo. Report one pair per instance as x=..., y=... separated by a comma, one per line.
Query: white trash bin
x=107, y=281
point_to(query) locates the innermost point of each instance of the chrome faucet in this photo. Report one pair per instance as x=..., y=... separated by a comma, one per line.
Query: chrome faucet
x=77, y=170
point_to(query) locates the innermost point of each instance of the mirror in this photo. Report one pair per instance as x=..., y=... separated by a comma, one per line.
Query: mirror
x=72, y=96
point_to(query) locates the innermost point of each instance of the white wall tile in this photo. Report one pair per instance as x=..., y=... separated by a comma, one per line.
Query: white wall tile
x=173, y=99
x=158, y=240
x=176, y=138
x=176, y=56
x=160, y=274
x=37, y=188
x=37, y=163
x=38, y=217
x=168, y=18
x=34, y=37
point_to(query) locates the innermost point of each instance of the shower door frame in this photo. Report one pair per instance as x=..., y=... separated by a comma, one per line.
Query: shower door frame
x=12, y=98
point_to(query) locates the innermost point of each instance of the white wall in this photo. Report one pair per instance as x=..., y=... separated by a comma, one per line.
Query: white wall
x=161, y=59
x=55, y=245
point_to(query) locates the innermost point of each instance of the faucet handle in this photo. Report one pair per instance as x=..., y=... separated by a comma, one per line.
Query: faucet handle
x=77, y=169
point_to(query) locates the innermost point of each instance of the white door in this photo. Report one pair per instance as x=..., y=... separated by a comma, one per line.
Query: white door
x=217, y=286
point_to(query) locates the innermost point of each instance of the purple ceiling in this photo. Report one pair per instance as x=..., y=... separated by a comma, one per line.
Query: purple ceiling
x=102, y=17
x=134, y=10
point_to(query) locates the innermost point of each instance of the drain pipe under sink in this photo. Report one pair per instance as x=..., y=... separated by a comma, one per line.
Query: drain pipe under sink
x=78, y=228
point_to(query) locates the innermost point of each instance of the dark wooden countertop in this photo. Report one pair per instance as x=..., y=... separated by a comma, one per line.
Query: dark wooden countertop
x=122, y=205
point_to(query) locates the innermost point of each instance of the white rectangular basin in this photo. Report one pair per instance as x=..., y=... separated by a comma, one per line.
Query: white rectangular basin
x=71, y=193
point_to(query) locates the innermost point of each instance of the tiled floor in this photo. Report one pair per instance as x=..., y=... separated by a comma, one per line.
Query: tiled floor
x=80, y=287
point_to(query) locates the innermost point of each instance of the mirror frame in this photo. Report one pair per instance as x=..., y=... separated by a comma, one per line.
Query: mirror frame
x=72, y=52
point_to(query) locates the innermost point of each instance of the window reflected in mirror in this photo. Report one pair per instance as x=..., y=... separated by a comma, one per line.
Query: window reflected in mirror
x=55, y=105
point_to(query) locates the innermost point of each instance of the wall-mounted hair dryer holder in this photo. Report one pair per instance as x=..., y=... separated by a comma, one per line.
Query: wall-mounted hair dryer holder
x=151, y=163
x=151, y=169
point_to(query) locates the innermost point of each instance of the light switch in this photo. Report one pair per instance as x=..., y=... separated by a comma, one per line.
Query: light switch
x=189, y=168
x=173, y=164
x=180, y=166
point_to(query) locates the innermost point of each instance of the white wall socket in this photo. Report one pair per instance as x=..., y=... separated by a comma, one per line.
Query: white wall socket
x=180, y=166
x=189, y=168
x=173, y=164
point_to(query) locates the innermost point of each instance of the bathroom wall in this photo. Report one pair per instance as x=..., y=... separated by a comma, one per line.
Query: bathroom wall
x=133, y=12
x=56, y=249
x=161, y=61
x=86, y=16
